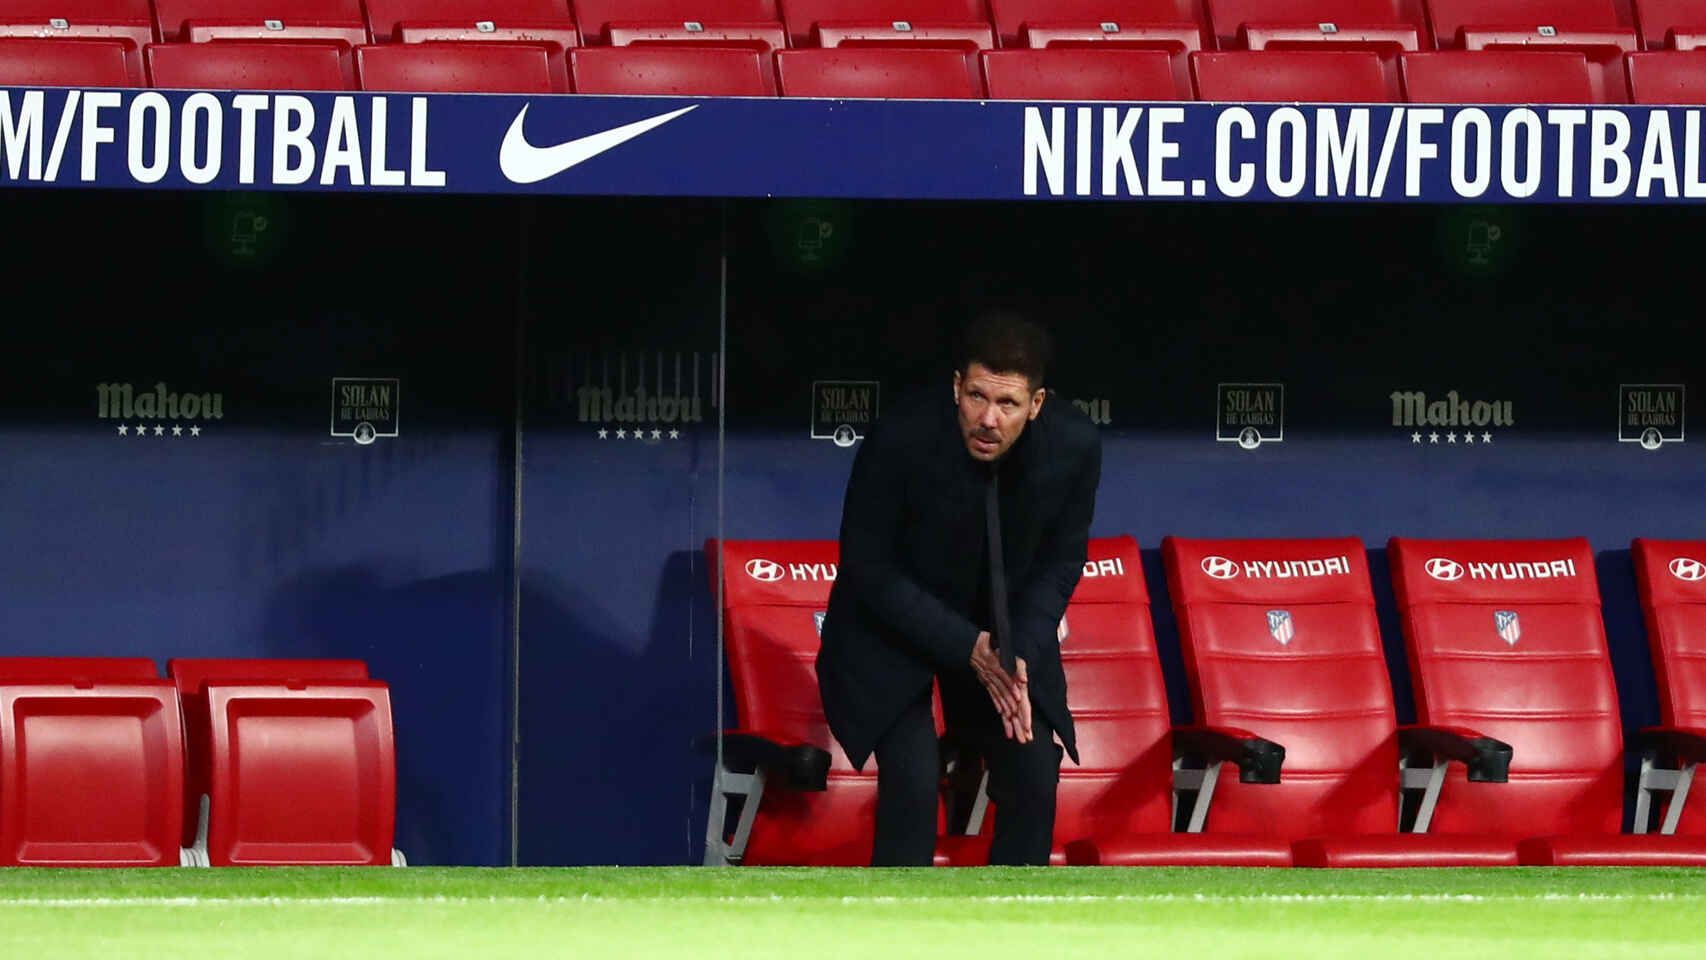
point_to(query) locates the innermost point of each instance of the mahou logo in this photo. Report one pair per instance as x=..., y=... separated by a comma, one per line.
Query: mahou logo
x=142, y=413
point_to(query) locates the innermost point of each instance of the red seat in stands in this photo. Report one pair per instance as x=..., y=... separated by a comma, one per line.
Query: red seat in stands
x=252, y=65
x=681, y=71
x=1174, y=27
x=1668, y=77
x=1349, y=76
x=1280, y=637
x=1499, y=76
x=745, y=23
x=1590, y=27
x=200, y=20
x=1671, y=575
x=1111, y=73
x=266, y=740
x=192, y=675
x=902, y=21
x=1677, y=24
x=91, y=764
x=418, y=21
x=457, y=67
x=1506, y=636
x=894, y=72
x=130, y=19
x=1283, y=24
x=78, y=62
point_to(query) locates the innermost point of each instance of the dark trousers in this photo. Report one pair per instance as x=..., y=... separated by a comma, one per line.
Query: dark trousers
x=1022, y=779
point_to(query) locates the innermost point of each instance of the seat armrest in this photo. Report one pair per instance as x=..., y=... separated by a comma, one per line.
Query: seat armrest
x=1488, y=760
x=1258, y=760
x=789, y=763
x=1686, y=744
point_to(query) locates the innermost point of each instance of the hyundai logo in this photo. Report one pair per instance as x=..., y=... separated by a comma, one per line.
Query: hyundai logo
x=1442, y=569
x=1219, y=568
x=764, y=571
x=1686, y=568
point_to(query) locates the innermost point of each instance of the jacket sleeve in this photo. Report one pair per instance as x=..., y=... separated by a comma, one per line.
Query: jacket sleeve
x=871, y=519
x=1041, y=601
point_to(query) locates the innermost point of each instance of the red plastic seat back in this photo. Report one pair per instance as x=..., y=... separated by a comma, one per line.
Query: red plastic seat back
x=1665, y=23
x=801, y=16
x=267, y=740
x=1330, y=76
x=1671, y=575
x=191, y=675
x=1228, y=16
x=1081, y=74
x=1280, y=638
x=1118, y=701
x=344, y=15
x=1448, y=17
x=463, y=67
x=90, y=775
x=1089, y=16
x=252, y=65
x=1668, y=77
x=596, y=16
x=775, y=594
x=551, y=16
x=1500, y=76
x=59, y=19
x=1505, y=638
x=79, y=62
x=79, y=671
x=891, y=72
x=682, y=71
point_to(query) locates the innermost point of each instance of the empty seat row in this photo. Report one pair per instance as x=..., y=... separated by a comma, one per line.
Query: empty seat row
x=1296, y=755
x=1187, y=24
x=1055, y=74
x=227, y=762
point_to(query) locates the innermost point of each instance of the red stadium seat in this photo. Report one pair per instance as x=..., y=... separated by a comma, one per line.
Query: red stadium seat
x=1361, y=24
x=82, y=62
x=192, y=675
x=1679, y=24
x=252, y=65
x=76, y=670
x=266, y=740
x=1671, y=575
x=131, y=19
x=887, y=73
x=1280, y=637
x=1081, y=74
x=954, y=36
x=804, y=17
x=678, y=71
x=1668, y=77
x=1349, y=76
x=746, y=23
x=1500, y=76
x=261, y=19
x=1505, y=636
x=1591, y=27
x=463, y=67
x=416, y=21
x=1037, y=23
x=91, y=773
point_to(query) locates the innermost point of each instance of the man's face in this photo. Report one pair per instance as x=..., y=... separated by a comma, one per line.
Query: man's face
x=994, y=408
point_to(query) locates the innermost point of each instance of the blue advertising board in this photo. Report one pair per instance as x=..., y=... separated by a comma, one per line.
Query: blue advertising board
x=903, y=149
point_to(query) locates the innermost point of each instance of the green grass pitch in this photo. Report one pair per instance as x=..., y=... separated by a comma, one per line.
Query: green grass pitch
x=425, y=912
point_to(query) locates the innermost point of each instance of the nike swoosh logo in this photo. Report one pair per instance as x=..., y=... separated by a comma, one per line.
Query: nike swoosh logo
x=522, y=162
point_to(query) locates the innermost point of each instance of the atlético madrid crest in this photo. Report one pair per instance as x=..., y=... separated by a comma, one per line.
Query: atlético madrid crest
x=1280, y=626
x=1510, y=628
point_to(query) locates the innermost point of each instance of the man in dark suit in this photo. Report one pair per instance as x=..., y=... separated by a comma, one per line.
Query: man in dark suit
x=921, y=594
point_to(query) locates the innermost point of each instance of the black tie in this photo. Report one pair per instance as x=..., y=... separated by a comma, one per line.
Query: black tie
x=997, y=572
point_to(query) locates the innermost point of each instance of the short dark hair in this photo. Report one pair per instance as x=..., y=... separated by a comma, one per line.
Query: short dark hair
x=1007, y=343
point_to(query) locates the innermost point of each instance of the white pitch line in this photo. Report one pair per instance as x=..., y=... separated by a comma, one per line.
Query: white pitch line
x=85, y=902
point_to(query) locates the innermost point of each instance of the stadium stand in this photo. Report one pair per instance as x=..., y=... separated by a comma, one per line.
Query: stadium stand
x=267, y=739
x=1671, y=577
x=1500, y=76
x=79, y=62
x=252, y=65
x=747, y=23
x=1110, y=73
x=880, y=20
x=200, y=20
x=465, y=67
x=1292, y=75
x=416, y=21
x=1038, y=23
x=953, y=36
x=191, y=676
x=1667, y=77
x=1281, y=24
x=132, y=19
x=673, y=70
x=1281, y=637
x=91, y=764
x=1506, y=636
x=892, y=72
x=1674, y=24
x=1591, y=27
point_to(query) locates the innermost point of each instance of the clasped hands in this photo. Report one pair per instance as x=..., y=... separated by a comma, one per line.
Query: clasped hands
x=1010, y=692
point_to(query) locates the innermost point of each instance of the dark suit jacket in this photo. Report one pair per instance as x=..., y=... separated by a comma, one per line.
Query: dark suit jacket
x=904, y=604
